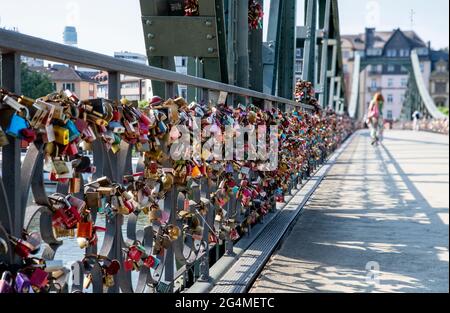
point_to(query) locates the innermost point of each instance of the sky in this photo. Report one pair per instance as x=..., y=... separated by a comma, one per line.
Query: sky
x=105, y=26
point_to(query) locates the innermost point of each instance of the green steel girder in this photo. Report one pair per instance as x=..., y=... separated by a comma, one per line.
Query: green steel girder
x=255, y=44
x=322, y=62
x=200, y=37
x=279, y=51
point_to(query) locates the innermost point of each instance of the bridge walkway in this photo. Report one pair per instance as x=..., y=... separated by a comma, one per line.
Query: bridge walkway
x=383, y=208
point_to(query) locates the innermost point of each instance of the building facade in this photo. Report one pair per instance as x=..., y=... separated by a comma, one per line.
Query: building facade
x=70, y=36
x=389, y=78
x=67, y=78
x=439, y=79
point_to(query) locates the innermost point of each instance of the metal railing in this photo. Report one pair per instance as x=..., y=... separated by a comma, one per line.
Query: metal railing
x=15, y=215
x=13, y=42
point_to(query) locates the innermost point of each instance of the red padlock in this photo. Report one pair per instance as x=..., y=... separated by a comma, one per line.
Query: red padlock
x=145, y=119
x=130, y=206
x=116, y=116
x=39, y=278
x=72, y=149
x=113, y=268
x=68, y=216
x=128, y=265
x=134, y=254
x=149, y=262
x=22, y=249
x=85, y=229
x=29, y=135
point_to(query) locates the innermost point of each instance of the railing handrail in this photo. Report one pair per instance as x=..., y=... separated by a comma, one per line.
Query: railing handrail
x=11, y=41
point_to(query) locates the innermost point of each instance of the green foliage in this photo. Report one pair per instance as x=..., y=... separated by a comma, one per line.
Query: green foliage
x=143, y=104
x=35, y=84
x=444, y=110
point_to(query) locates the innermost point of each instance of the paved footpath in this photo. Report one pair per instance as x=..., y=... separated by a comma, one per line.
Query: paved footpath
x=379, y=222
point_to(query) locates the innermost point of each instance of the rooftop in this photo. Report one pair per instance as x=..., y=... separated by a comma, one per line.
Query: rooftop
x=64, y=73
x=381, y=38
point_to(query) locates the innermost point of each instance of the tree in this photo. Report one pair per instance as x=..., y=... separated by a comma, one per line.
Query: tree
x=35, y=84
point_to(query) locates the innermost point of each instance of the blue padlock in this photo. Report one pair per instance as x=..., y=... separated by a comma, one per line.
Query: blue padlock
x=73, y=131
x=16, y=125
x=162, y=127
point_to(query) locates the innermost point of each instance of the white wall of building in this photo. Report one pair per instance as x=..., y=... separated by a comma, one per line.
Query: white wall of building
x=393, y=90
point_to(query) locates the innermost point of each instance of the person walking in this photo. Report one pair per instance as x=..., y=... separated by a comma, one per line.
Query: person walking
x=416, y=117
x=375, y=118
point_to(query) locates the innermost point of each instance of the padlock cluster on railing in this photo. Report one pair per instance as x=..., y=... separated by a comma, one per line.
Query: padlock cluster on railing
x=255, y=15
x=195, y=205
x=255, y=11
x=191, y=7
x=429, y=125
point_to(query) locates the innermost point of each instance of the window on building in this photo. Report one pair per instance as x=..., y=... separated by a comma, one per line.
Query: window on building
x=391, y=68
x=422, y=51
x=391, y=53
x=390, y=98
x=183, y=62
x=404, y=82
x=184, y=93
x=130, y=85
x=299, y=53
x=404, y=52
x=390, y=82
x=403, y=69
x=440, y=87
x=54, y=86
x=373, y=84
x=389, y=115
x=298, y=66
x=69, y=86
x=374, y=52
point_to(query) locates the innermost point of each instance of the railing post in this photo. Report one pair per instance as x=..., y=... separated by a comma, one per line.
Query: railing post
x=11, y=154
x=114, y=85
x=204, y=263
x=170, y=202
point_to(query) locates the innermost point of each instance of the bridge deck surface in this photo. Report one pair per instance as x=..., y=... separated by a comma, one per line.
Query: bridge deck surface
x=388, y=205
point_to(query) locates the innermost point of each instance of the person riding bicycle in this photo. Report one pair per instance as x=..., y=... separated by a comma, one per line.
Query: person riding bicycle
x=375, y=118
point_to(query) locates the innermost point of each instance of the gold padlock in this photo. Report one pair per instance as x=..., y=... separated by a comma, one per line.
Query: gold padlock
x=155, y=214
x=115, y=148
x=61, y=135
x=75, y=185
x=59, y=232
x=167, y=181
x=108, y=280
x=93, y=200
x=174, y=232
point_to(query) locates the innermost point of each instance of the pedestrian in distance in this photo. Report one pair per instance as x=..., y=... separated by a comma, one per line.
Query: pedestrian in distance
x=375, y=118
x=416, y=118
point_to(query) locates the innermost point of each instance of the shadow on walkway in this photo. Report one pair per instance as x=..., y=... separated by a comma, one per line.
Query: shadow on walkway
x=381, y=217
